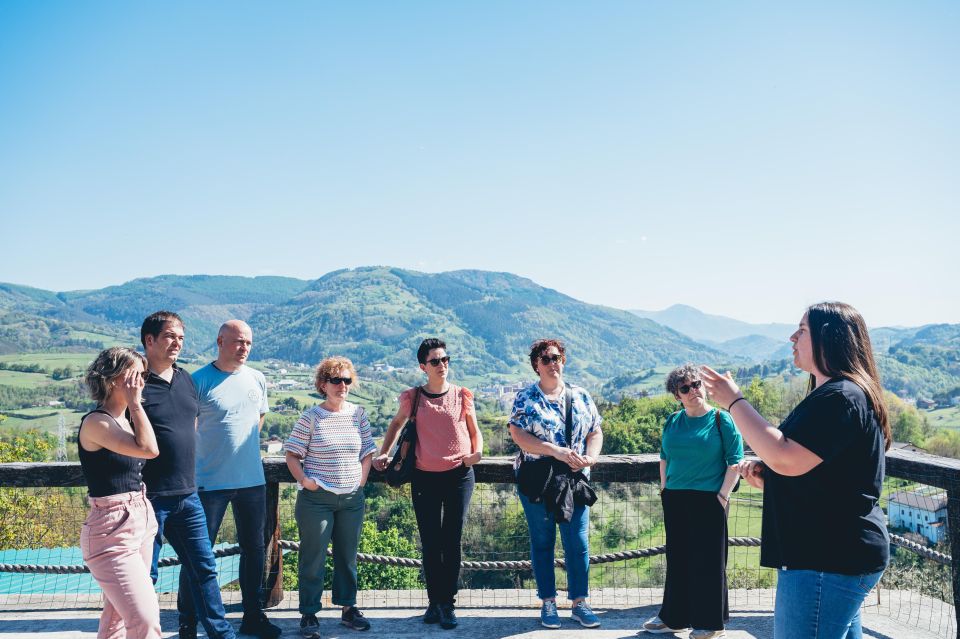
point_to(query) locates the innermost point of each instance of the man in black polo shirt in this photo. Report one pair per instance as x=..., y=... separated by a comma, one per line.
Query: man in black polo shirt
x=170, y=401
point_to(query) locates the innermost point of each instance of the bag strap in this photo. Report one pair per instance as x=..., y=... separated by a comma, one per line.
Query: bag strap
x=568, y=419
x=416, y=403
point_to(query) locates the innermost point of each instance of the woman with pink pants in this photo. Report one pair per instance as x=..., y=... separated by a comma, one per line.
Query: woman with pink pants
x=117, y=537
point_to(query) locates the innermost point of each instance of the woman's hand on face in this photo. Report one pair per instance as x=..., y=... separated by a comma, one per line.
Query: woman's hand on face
x=752, y=472
x=722, y=388
x=309, y=483
x=471, y=459
x=380, y=462
x=131, y=385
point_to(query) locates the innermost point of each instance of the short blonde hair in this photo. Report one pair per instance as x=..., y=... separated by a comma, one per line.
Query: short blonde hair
x=328, y=368
x=109, y=365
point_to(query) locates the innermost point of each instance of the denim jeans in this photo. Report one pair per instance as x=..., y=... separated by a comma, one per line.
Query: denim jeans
x=249, y=515
x=181, y=520
x=440, y=501
x=543, y=538
x=322, y=517
x=825, y=605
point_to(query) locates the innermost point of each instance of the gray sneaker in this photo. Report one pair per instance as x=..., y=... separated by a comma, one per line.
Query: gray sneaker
x=707, y=634
x=656, y=626
x=309, y=627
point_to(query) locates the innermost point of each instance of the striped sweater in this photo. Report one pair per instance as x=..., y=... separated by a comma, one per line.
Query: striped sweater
x=332, y=446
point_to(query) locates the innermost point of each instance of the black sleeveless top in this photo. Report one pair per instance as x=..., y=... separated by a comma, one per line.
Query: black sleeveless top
x=107, y=472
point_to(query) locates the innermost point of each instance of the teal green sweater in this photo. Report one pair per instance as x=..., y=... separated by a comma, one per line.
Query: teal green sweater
x=697, y=453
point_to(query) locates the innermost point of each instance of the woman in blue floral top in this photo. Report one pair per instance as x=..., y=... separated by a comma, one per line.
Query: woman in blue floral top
x=537, y=425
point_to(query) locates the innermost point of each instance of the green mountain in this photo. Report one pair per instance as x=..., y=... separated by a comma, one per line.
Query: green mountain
x=380, y=314
x=32, y=319
x=755, y=342
x=372, y=314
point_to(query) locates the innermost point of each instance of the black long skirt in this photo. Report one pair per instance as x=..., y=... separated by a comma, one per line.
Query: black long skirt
x=695, y=592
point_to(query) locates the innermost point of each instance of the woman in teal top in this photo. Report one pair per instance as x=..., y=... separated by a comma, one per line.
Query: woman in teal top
x=699, y=453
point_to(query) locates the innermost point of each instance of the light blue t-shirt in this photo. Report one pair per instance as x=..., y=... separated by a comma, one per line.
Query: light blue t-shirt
x=228, y=434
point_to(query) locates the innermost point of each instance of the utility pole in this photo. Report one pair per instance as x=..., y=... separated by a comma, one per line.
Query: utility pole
x=61, y=439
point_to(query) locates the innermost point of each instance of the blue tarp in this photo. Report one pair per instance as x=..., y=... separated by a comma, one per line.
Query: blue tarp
x=83, y=583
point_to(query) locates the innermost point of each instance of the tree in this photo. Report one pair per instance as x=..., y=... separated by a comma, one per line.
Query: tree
x=906, y=422
x=634, y=425
x=945, y=443
x=31, y=518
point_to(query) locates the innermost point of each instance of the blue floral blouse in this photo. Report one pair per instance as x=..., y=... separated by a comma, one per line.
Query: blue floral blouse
x=542, y=418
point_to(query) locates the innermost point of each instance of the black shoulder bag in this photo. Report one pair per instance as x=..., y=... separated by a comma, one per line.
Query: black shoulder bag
x=716, y=420
x=400, y=469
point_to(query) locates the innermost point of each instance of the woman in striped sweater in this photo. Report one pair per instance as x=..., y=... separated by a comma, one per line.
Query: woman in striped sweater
x=329, y=454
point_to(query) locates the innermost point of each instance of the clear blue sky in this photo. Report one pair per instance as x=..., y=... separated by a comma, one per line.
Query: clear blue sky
x=747, y=158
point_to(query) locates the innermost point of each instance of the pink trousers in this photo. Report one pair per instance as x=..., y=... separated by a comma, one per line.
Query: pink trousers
x=117, y=546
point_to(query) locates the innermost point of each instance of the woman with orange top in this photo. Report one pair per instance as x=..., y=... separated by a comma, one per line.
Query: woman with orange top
x=449, y=443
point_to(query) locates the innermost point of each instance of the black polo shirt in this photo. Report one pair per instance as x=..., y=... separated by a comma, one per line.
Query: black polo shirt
x=172, y=408
x=829, y=519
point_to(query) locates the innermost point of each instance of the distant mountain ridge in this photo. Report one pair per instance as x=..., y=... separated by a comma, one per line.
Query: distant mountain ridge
x=754, y=341
x=371, y=314
x=717, y=328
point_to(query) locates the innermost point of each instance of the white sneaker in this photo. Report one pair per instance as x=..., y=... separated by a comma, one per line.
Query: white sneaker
x=656, y=626
x=707, y=634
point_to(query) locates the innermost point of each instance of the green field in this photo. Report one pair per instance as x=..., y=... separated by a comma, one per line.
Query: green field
x=23, y=380
x=944, y=417
x=44, y=419
x=78, y=361
x=106, y=340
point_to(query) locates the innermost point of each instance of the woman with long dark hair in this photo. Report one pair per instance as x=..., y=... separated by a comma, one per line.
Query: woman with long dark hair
x=117, y=536
x=822, y=474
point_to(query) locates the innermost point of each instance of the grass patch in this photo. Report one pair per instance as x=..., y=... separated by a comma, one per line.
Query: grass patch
x=944, y=417
x=47, y=421
x=17, y=379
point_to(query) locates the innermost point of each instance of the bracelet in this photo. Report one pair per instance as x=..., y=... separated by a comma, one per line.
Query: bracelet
x=739, y=399
x=726, y=499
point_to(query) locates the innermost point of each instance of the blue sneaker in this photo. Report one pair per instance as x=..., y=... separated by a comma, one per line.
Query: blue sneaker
x=582, y=613
x=548, y=615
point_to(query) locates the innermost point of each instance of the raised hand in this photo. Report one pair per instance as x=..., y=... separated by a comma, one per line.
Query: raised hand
x=723, y=390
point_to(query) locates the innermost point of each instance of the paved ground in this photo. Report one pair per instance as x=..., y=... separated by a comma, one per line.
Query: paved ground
x=751, y=618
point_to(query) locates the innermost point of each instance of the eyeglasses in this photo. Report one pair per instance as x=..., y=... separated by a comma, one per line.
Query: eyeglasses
x=336, y=381
x=436, y=361
x=686, y=387
x=550, y=359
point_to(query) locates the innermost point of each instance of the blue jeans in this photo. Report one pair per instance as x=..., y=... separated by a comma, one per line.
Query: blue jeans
x=249, y=515
x=825, y=605
x=181, y=520
x=543, y=538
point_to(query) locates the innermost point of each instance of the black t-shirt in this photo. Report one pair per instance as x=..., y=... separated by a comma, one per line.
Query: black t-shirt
x=829, y=519
x=172, y=409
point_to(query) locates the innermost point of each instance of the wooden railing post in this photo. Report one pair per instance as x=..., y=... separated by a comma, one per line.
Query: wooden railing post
x=273, y=557
x=953, y=529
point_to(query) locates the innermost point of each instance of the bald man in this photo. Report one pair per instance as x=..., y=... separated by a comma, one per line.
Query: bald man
x=233, y=403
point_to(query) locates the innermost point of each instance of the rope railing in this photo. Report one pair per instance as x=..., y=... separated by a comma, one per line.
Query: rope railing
x=409, y=562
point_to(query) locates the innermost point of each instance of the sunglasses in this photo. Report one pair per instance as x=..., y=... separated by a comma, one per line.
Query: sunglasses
x=550, y=359
x=336, y=381
x=686, y=387
x=436, y=361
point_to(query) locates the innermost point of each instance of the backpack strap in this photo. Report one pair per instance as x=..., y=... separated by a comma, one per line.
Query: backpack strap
x=568, y=420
